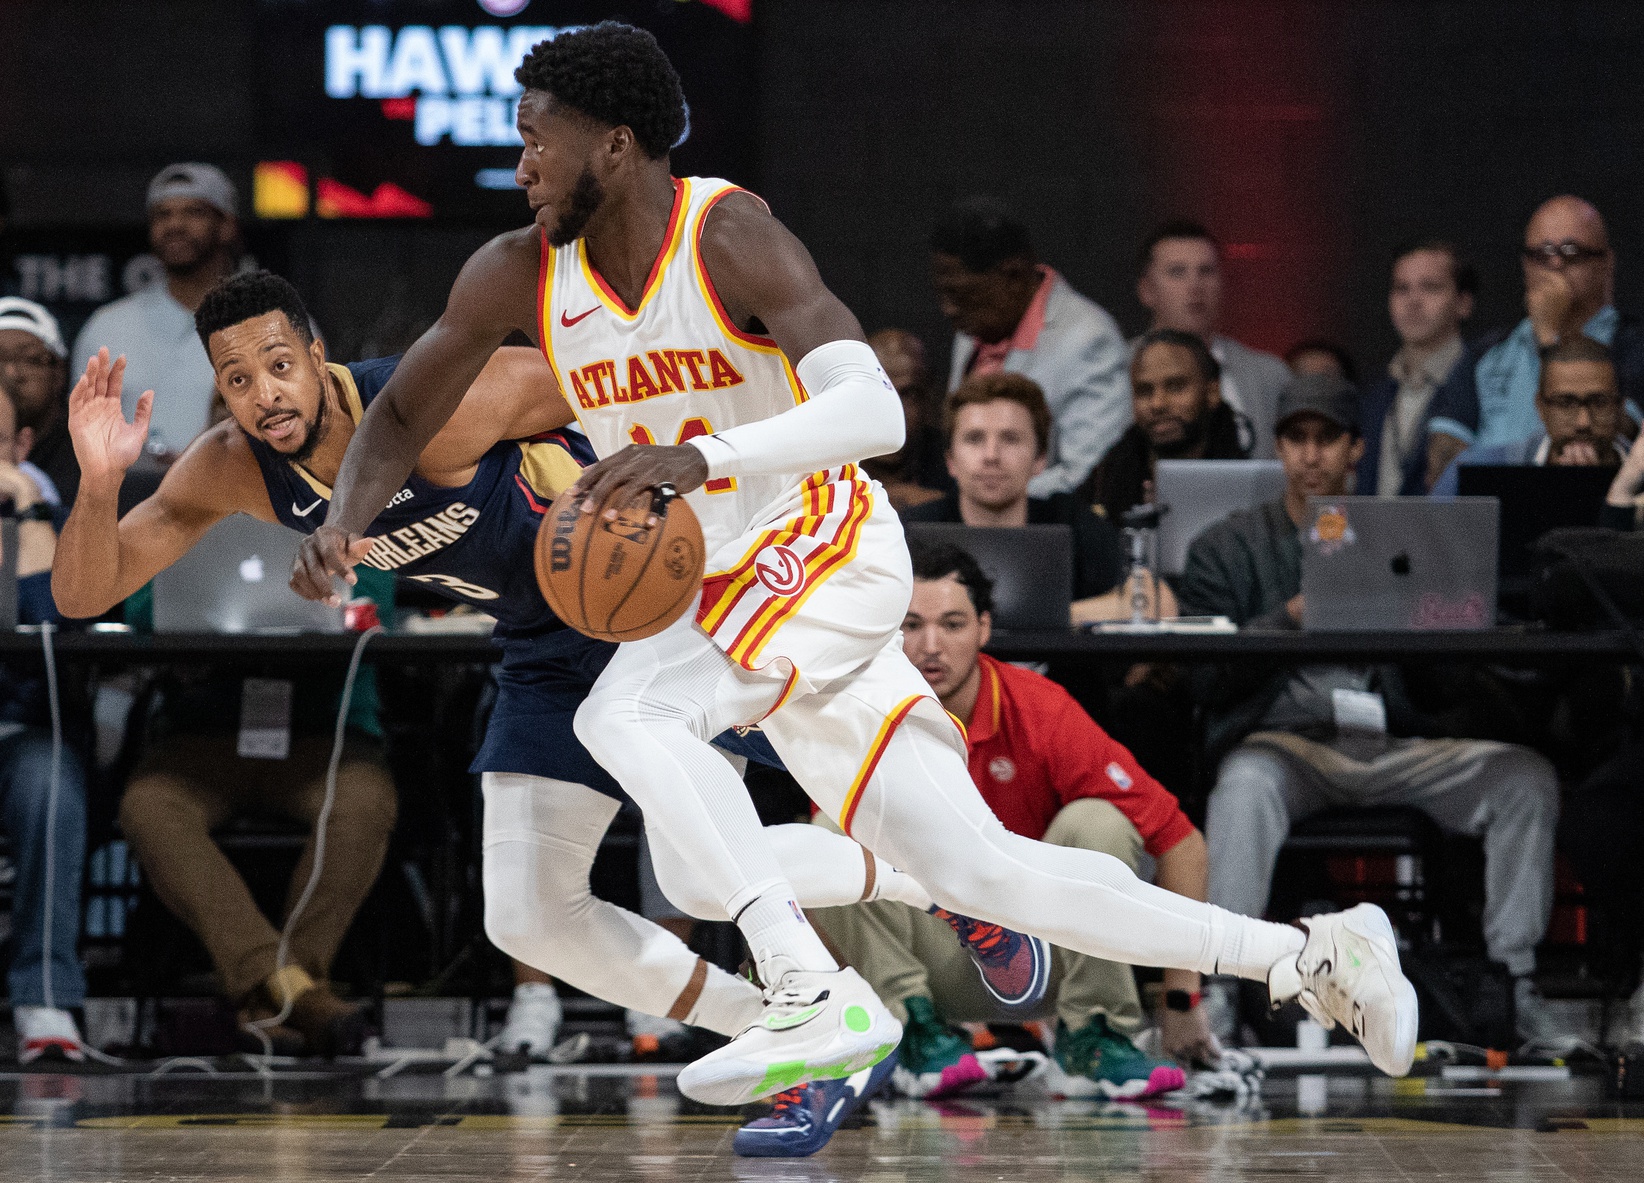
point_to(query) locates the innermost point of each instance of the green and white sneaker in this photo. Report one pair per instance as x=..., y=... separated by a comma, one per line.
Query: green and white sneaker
x=815, y=1025
x=1096, y=1060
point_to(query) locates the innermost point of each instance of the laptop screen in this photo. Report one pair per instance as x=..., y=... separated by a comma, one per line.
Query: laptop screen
x=1534, y=500
x=1031, y=568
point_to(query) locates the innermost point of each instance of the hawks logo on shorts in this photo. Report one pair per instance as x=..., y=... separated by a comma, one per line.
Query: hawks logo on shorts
x=780, y=570
x=743, y=606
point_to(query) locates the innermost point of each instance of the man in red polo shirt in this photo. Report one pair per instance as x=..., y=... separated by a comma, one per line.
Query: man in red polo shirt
x=1048, y=772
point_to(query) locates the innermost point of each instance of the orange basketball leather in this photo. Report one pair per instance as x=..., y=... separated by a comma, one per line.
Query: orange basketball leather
x=619, y=580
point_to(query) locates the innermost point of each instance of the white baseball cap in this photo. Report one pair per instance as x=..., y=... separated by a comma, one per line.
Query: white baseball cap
x=18, y=313
x=206, y=182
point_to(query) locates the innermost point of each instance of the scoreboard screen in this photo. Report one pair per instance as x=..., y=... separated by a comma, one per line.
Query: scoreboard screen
x=405, y=108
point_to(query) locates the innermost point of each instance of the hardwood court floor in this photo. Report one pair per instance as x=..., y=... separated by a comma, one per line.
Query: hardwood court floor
x=591, y=1126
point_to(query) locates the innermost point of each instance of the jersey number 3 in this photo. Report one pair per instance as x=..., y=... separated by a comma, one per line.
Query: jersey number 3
x=688, y=430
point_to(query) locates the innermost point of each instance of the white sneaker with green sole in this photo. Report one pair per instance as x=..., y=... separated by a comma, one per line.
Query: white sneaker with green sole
x=814, y=1026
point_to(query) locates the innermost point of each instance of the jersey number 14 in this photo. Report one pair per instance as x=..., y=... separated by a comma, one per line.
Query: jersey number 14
x=688, y=430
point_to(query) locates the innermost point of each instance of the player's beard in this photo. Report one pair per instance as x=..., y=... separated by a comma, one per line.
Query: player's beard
x=313, y=432
x=587, y=195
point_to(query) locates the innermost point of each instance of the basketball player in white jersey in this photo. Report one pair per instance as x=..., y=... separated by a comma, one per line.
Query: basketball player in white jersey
x=681, y=316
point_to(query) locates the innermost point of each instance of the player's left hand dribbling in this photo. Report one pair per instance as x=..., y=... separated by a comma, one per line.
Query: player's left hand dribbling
x=632, y=473
x=325, y=556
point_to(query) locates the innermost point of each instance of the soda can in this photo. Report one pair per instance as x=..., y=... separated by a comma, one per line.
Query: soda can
x=360, y=614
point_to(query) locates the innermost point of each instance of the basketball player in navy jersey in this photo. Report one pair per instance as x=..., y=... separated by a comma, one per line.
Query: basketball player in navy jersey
x=464, y=522
x=627, y=271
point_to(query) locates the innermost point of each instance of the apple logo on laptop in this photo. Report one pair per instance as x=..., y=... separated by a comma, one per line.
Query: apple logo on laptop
x=251, y=570
x=1400, y=564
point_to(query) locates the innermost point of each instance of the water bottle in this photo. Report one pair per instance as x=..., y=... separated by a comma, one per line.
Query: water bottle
x=1141, y=525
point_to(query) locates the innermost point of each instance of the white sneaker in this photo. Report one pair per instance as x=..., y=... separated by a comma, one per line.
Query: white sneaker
x=43, y=1030
x=814, y=1025
x=533, y=1020
x=1348, y=973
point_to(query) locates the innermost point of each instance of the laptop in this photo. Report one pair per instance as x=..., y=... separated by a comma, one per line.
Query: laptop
x=1399, y=565
x=1194, y=494
x=236, y=580
x=1534, y=500
x=1031, y=568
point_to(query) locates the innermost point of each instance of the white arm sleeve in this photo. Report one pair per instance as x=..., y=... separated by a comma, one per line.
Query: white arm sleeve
x=853, y=413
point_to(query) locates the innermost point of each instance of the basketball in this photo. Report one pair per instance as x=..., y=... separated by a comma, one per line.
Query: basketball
x=620, y=580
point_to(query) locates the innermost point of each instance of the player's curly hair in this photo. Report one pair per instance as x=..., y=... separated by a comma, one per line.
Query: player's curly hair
x=615, y=74
x=250, y=293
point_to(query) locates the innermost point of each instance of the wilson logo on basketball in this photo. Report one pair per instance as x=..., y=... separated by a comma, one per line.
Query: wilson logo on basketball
x=780, y=570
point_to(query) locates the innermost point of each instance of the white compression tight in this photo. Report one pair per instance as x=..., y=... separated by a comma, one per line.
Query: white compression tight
x=540, y=839
x=647, y=720
x=921, y=811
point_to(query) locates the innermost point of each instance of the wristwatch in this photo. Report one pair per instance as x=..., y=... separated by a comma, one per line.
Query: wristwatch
x=1182, y=1000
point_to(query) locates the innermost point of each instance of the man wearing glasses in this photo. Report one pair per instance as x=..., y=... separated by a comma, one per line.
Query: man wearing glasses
x=1579, y=407
x=1569, y=286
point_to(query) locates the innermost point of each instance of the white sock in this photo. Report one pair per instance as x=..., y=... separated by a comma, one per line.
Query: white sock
x=892, y=884
x=728, y=1005
x=1250, y=948
x=780, y=937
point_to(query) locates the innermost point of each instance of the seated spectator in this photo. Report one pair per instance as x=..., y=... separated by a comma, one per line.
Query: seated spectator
x=1310, y=738
x=1579, y=405
x=1181, y=285
x=914, y=473
x=997, y=428
x=1176, y=402
x=1011, y=313
x=45, y=981
x=194, y=231
x=1050, y=773
x=1316, y=355
x=194, y=779
x=1569, y=291
x=1431, y=294
x=34, y=375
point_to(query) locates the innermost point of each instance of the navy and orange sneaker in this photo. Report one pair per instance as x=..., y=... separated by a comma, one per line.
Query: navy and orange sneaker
x=803, y=1119
x=1015, y=967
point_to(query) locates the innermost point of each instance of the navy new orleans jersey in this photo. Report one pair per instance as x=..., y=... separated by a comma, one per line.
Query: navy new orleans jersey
x=474, y=544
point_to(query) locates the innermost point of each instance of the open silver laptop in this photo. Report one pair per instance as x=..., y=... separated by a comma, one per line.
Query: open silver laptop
x=1031, y=568
x=1194, y=494
x=236, y=580
x=1399, y=565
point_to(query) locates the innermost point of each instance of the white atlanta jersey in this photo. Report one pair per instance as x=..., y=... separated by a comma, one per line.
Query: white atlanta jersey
x=671, y=369
x=808, y=575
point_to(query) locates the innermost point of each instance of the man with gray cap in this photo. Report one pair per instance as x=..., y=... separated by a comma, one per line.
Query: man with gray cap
x=193, y=230
x=34, y=374
x=1303, y=739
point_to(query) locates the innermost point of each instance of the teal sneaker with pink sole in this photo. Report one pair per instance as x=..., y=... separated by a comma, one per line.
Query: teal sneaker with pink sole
x=935, y=1059
x=1096, y=1060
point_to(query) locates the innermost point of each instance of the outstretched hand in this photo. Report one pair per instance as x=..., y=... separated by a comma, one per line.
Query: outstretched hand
x=105, y=444
x=633, y=472
x=326, y=556
x=1629, y=478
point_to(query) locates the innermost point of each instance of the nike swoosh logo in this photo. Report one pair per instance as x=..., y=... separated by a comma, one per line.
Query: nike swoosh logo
x=303, y=513
x=568, y=321
x=783, y=1022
